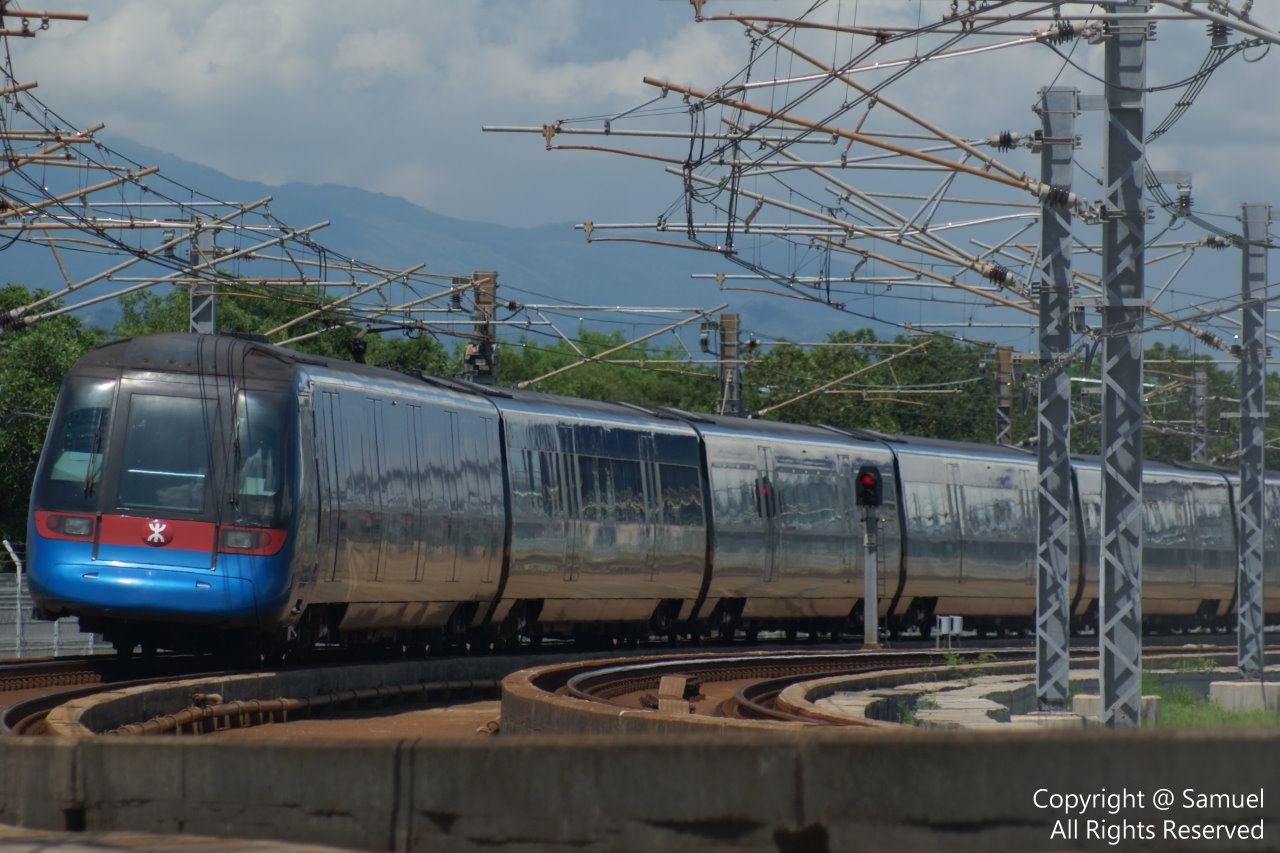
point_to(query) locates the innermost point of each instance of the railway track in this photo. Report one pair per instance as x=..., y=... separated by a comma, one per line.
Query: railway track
x=729, y=683
x=736, y=685
x=747, y=686
x=30, y=690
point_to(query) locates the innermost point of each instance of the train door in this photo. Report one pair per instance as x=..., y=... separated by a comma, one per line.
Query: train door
x=960, y=522
x=328, y=450
x=376, y=461
x=476, y=533
x=767, y=504
x=454, y=513
x=1024, y=521
x=486, y=494
x=652, y=505
x=418, y=476
x=567, y=471
x=846, y=517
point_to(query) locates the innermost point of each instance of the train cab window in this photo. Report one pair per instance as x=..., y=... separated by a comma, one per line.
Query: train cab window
x=72, y=469
x=166, y=453
x=255, y=490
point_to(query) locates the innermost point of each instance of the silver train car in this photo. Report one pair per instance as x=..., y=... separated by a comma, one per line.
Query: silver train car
x=419, y=511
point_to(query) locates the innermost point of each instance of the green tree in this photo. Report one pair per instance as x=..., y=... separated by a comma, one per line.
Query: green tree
x=33, y=361
x=256, y=310
x=652, y=377
x=936, y=390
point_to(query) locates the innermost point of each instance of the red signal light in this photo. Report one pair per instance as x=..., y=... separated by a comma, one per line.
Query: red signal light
x=868, y=491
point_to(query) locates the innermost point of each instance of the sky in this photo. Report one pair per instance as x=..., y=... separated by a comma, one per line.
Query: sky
x=391, y=96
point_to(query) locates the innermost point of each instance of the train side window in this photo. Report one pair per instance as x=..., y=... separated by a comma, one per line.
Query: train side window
x=593, y=491
x=627, y=492
x=681, y=495
x=526, y=485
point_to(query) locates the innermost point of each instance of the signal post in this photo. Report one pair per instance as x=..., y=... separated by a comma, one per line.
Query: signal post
x=868, y=494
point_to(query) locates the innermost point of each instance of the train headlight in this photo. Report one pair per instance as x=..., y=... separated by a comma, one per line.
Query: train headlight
x=250, y=540
x=78, y=526
x=243, y=540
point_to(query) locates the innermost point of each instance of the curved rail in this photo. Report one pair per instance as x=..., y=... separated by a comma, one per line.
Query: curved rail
x=769, y=673
x=81, y=677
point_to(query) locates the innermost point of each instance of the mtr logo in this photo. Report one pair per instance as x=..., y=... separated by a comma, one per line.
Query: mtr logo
x=157, y=533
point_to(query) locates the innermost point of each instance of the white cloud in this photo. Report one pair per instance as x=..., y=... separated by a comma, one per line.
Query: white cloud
x=388, y=96
x=391, y=95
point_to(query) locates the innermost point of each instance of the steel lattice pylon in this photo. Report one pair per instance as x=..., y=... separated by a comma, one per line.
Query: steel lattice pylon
x=1123, y=238
x=1053, y=615
x=1252, y=511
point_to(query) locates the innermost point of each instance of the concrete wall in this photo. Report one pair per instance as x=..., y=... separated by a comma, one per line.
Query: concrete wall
x=812, y=791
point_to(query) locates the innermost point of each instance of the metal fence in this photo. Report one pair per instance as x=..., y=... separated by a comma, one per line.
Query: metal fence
x=23, y=636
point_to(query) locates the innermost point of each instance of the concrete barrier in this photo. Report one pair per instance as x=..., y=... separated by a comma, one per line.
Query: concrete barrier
x=897, y=791
x=1249, y=695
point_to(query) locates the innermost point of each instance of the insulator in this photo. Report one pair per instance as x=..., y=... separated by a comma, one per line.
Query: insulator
x=1005, y=141
x=1184, y=202
x=455, y=300
x=1218, y=33
x=1064, y=32
x=998, y=274
x=1057, y=197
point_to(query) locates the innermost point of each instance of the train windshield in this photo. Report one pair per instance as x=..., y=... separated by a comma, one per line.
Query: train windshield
x=256, y=487
x=166, y=453
x=72, y=469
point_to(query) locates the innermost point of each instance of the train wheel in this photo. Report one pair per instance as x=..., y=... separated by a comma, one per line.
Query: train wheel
x=124, y=647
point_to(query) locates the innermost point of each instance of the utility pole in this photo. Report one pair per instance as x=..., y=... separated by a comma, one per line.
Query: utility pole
x=1053, y=416
x=480, y=359
x=1123, y=258
x=1251, y=657
x=204, y=293
x=1199, y=418
x=730, y=367
x=1004, y=395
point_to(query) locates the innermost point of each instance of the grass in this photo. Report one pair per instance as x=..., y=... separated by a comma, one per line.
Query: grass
x=966, y=667
x=1185, y=708
x=908, y=706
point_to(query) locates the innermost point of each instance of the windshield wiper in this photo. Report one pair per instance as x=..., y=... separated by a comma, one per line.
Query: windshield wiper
x=94, y=447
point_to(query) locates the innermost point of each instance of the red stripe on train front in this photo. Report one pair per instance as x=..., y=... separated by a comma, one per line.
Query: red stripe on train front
x=158, y=533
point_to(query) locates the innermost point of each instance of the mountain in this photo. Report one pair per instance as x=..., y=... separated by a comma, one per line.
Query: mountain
x=542, y=264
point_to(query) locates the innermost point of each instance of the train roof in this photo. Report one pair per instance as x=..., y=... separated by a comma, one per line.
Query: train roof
x=253, y=357
x=191, y=353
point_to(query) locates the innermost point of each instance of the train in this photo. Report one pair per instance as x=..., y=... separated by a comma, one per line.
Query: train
x=196, y=491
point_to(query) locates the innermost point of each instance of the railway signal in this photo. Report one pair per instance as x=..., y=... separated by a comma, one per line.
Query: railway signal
x=868, y=491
